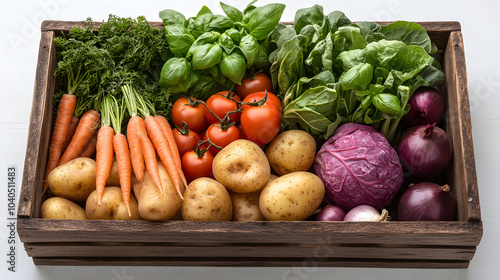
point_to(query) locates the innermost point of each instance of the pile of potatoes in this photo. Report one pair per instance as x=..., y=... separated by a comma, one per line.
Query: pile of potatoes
x=244, y=187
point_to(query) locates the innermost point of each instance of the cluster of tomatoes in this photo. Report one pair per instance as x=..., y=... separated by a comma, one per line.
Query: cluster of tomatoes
x=253, y=112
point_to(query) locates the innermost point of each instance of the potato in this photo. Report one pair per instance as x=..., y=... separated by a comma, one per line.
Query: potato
x=112, y=206
x=153, y=205
x=291, y=197
x=242, y=167
x=290, y=151
x=62, y=208
x=206, y=200
x=114, y=179
x=74, y=180
x=246, y=205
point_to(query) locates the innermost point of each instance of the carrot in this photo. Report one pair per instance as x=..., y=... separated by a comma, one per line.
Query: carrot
x=89, y=149
x=71, y=131
x=124, y=167
x=104, y=158
x=136, y=151
x=65, y=112
x=165, y=126
x=150, y=157
x=86, y=127
x=162, y=147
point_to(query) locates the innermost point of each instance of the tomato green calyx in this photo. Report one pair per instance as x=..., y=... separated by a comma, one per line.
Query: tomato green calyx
x=193, y=102
x=256, y=103
x=201, y=152
x=184, y=129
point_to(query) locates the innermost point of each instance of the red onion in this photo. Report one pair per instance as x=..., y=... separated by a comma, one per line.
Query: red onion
x=426, y=106
x=365, y=213
x=427, y=202
x=425, y=150
x=331, y=213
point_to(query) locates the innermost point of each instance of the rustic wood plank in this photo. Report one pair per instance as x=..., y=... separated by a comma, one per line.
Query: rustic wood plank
x=458, y=124
x=297, y=263
x=299, y=232
x=39, y=129
x=146, y=250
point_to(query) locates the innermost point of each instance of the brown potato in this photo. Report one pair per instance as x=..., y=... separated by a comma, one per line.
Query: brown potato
x=62, y=208
x=74, y=180
x=206, y=200
x=246, y=205
x=112, y=206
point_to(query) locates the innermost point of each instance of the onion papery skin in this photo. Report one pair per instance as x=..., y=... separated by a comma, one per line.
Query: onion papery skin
x=365, y=213
x=425, y=151
x=427, y=202
x=427, y=106
x=331, y=213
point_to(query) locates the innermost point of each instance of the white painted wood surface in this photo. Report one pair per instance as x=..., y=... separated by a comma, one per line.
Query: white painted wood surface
x=19, y=31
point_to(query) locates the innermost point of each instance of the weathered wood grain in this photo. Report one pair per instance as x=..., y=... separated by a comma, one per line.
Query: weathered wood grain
x=39, y=129
x=462, y=175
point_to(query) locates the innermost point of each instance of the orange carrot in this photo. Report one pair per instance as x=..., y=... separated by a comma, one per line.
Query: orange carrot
x=136, y=151
x=104, y=158
x=65, y=112
x=86, y=127
x=165, y=126
x=89, y=149
x=162, y=147
x=71, y=131
x=149, y=155
x=124, y=167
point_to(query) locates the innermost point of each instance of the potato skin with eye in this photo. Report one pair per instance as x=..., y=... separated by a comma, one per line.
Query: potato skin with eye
x=246, y=205
x=292, y=197
x=206, y=200
x=62, y=208
x=242, y=167
x=290, y=151
x=74, y=180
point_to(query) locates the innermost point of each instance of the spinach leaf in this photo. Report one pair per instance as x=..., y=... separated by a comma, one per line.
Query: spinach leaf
x=308, y=16
x=410, y=33
x=250, y=48
x=281, y=34
x=263, y=20
x=179, y=39
x=387, y=103
x=234, y=14
x=262, y=60
x=370, y=31
x=287, y=67
x=233, y=66
x=206, y=56
x=174, y=72
x=170, y=17
x=337, y=19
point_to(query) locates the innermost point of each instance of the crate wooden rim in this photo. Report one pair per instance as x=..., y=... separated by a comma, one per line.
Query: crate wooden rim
x=58, y=238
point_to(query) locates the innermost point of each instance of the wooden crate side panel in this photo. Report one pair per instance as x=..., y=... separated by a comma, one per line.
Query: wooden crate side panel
x=458, y=125
x=39, y=130
x=407, y=233
x=306, y=263
x=147, y=250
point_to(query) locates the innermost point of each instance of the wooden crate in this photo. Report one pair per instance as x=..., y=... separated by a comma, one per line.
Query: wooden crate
x=302, y=243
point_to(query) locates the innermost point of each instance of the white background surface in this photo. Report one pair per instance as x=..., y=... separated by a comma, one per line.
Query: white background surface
x=20, y=35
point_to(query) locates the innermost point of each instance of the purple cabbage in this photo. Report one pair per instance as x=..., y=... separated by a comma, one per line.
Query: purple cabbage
x=358, y=166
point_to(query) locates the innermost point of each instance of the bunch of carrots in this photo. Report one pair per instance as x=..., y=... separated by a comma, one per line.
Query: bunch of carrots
x=148, y=135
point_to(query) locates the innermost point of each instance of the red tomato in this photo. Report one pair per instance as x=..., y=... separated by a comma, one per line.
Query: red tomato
x=185, y=139
x=261, y=124
x=272, y=99
x=260, y=82
x=183, y=112
x=220, y=105
x=196, y=167
x=221, y=137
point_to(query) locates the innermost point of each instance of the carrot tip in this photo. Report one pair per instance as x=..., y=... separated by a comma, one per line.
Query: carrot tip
x=129, y=212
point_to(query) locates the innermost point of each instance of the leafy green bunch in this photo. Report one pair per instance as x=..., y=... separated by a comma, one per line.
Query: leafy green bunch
x=330, y=71
x=211, y=52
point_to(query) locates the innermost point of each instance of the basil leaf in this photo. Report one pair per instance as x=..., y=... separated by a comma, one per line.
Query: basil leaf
x=250, y=49
x=234, y=14
x=410, y=33
x=179, y=39
x=205, y=87
x=205, y=38
x=233, y=66
x=200, y=24
x=184, y=87
x=204, y=11
x=387, y=103
x=235, y=35
x=358, y=77
x=264, y=19
x=262, y=59
x=175, y=71
x=216, y=74
x=206, y=56
x=170, y=17
x=221, y=23
x=308, y=16
x=226, y=42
